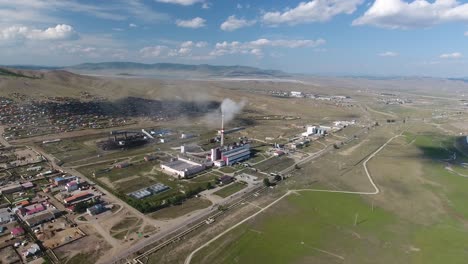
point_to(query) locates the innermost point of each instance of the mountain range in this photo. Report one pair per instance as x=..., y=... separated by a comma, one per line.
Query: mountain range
x=161, y=70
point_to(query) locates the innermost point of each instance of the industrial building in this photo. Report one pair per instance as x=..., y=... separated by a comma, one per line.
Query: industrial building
x=182, y=167
x=297, y=94
x=316, y=130
x=230, y=156
x=152, y=190
x=235, y=155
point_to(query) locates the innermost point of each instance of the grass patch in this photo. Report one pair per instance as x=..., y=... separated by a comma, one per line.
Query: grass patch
x=227, y=169
x=230, y=189
x=186, y=207
x=81, y=258
x=275, y=164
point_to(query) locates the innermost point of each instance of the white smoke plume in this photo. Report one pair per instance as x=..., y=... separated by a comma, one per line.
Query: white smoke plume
x=229, y=108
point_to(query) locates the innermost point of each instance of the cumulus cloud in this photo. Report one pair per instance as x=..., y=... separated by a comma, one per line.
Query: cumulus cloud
x=454, y=55
x=132, y=25
x=388, y=54
x=255, y=47
x=180, y=2
x=183, y=49
x=197, y=22
x=59, y=32
x=466, y=33
x=312, y=11
x=232, y=23
x=399, y=14
x=154, y=51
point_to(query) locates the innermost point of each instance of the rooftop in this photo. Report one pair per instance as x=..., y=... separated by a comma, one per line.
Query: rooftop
x=180, y=165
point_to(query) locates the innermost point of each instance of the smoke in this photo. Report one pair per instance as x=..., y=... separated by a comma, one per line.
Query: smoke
x=229, y=108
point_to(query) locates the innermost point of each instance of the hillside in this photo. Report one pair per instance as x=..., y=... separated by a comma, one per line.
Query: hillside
x=14, y=73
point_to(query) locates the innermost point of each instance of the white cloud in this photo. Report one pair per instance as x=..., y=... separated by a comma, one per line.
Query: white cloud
x=132, y=25
x=388, y=54
x=197, y=22
x=180, y=2
x=206, y=5
x=288, y=43
x=239, y=6
x=399, y=14
x=33, y=12
x=59, y=32
x=312, y=11
x=89, y=51
x=466, y=33
x=255, y=47
x=454, y=55
x=183, y=49
x=154, y=51
x=233, y=23
x=201, y=44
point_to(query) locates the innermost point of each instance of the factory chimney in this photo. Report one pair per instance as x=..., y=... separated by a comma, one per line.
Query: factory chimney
x=222, y=128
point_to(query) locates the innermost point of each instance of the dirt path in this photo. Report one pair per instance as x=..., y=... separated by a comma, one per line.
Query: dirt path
x=350, y=150
x=2, y=139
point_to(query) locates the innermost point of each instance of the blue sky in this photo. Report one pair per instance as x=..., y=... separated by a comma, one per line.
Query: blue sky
x=381, y=37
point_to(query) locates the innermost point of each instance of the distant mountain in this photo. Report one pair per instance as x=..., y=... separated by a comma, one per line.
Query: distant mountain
x=172, y=70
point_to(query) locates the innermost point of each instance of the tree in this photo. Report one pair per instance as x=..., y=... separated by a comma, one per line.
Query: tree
x=297, y=167
x=266, y=182
x=209, y=186
x=278, y=178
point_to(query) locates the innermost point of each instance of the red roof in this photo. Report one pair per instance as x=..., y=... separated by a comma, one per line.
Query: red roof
x=35, y=209
x=17, y=231
x=77, y=196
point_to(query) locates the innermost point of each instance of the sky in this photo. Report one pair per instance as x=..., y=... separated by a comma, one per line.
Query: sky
x=324, y=37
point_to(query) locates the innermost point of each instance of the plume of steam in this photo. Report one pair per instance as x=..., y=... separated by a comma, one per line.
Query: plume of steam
x=229, y=108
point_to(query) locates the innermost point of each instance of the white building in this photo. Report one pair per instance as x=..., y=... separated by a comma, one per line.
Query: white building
x=311, y=130
x=182, y=167
x=297, y=94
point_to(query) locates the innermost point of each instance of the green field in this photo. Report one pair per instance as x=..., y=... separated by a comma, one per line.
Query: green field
x=275, y=164
x=420, y=216
x=179, y=210
x=230, y=189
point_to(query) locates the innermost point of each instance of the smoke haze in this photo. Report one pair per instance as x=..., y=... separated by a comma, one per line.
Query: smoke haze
x=229, y=108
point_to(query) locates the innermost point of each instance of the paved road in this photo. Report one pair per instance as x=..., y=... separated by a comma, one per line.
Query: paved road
x=376, y=191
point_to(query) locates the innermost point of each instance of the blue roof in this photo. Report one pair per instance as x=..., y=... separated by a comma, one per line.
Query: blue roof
x=59, y=179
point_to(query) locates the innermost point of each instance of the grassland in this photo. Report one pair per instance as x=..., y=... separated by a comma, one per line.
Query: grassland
x=186, y=207
x=230, y=189
x=419, y=217
x=275, y=164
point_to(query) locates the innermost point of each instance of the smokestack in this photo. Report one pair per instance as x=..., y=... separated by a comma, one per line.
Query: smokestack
x=222, y=128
